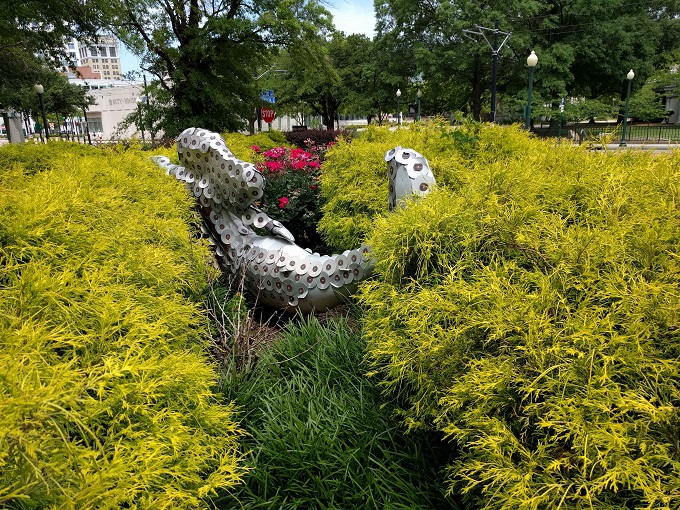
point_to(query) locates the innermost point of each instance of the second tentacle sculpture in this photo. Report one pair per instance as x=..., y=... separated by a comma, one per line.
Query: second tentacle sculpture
x=281, y=273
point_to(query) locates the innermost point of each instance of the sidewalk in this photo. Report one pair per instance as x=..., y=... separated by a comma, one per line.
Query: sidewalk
x=657, y=147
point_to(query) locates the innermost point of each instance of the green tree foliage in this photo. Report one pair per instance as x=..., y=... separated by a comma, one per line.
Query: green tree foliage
x=645, y=105
x=340, y=77
x=585, y=48
x=529, y=310
x=32, y=40
x=204, y=54
x=106, y=394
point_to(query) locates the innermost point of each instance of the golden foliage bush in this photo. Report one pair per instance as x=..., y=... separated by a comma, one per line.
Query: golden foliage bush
x=240, y=144
x=530, y=310
x=354, y=178
x=106, y=388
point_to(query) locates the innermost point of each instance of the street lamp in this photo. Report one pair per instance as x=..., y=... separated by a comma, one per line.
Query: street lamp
x=418, y=96
x=532, y=60
x=399, y=107
x=87, y=125
x=141, y=119
x=39, y=89
x=630, y=77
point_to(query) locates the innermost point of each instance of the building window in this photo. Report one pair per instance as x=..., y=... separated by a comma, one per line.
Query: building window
x=93, y=51
x=71, y=46
x=112, y=51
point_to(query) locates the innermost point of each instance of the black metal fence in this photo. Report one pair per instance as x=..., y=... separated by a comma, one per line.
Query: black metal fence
x=650, y=133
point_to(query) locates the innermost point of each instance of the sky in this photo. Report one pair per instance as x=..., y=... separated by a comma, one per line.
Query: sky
x=349, y=16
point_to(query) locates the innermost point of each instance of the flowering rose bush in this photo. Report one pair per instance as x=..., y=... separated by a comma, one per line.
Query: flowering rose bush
x=292, y=193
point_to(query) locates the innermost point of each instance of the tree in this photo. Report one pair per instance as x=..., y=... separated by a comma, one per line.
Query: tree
x=32, y=40
x=203, y=54
x=340, y=76
x=61, y=99
x=585, y=47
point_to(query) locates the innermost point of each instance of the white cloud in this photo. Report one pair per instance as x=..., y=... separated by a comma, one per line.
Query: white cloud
x=353, y=16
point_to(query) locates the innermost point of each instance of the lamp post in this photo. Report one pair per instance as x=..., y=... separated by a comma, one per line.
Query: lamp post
x=532, y=60
x=87, y=125
x=630, y=77
x=418, y=96
x=141, y=118
x=399, y=107
x=39, y=89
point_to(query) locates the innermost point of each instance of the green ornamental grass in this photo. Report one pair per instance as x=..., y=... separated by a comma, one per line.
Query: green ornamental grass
x=106, y=388
x=321, y=436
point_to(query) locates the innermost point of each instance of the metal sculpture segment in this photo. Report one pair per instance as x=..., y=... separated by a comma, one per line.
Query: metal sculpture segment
x=281, y=273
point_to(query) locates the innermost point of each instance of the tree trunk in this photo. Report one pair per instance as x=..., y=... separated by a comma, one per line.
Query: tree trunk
x=476, y=94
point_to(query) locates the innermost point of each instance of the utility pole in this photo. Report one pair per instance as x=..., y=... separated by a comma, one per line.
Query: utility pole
x=495, y=49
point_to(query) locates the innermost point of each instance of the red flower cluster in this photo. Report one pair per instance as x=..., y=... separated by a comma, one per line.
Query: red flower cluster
x=292, y=191
x=282, y=159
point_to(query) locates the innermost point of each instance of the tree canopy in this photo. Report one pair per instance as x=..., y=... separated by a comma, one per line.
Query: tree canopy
x=585, y=47
x=32, y=37
x=204, y=54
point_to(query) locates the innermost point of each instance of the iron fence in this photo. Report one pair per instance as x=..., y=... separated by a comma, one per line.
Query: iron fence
x=659, y=133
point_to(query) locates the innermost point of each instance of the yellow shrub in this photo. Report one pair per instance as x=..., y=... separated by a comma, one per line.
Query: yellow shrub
x=241, y=144
x=106, y=386
x=354, y=177
x=529, y=311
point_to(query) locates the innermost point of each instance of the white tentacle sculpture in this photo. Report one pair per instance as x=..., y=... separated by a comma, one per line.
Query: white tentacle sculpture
x=281, y=273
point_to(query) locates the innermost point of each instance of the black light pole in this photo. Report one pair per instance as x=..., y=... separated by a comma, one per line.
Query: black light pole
x=399, y=107
x=39, y=89
x=141, y=118
x=630, y=77
x=418, y=96
x=532, y=60
x=87, y=125
x=494, y=67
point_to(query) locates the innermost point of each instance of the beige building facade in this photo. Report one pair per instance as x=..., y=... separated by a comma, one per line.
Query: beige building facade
x=114, y=100
x=102, y=57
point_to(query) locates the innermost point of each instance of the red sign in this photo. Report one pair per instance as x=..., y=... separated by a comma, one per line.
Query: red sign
x=268, y=114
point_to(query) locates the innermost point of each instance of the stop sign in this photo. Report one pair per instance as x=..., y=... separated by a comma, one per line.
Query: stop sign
x=268, y=114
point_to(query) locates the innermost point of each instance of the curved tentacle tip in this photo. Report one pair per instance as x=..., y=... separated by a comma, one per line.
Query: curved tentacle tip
x=277, y=229
x=162, y=161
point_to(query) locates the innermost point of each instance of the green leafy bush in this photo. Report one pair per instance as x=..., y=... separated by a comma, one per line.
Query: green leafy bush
x=319, y=436
x=106, y=396
x=304, y=139
x=292, y=193
x=529, y=309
